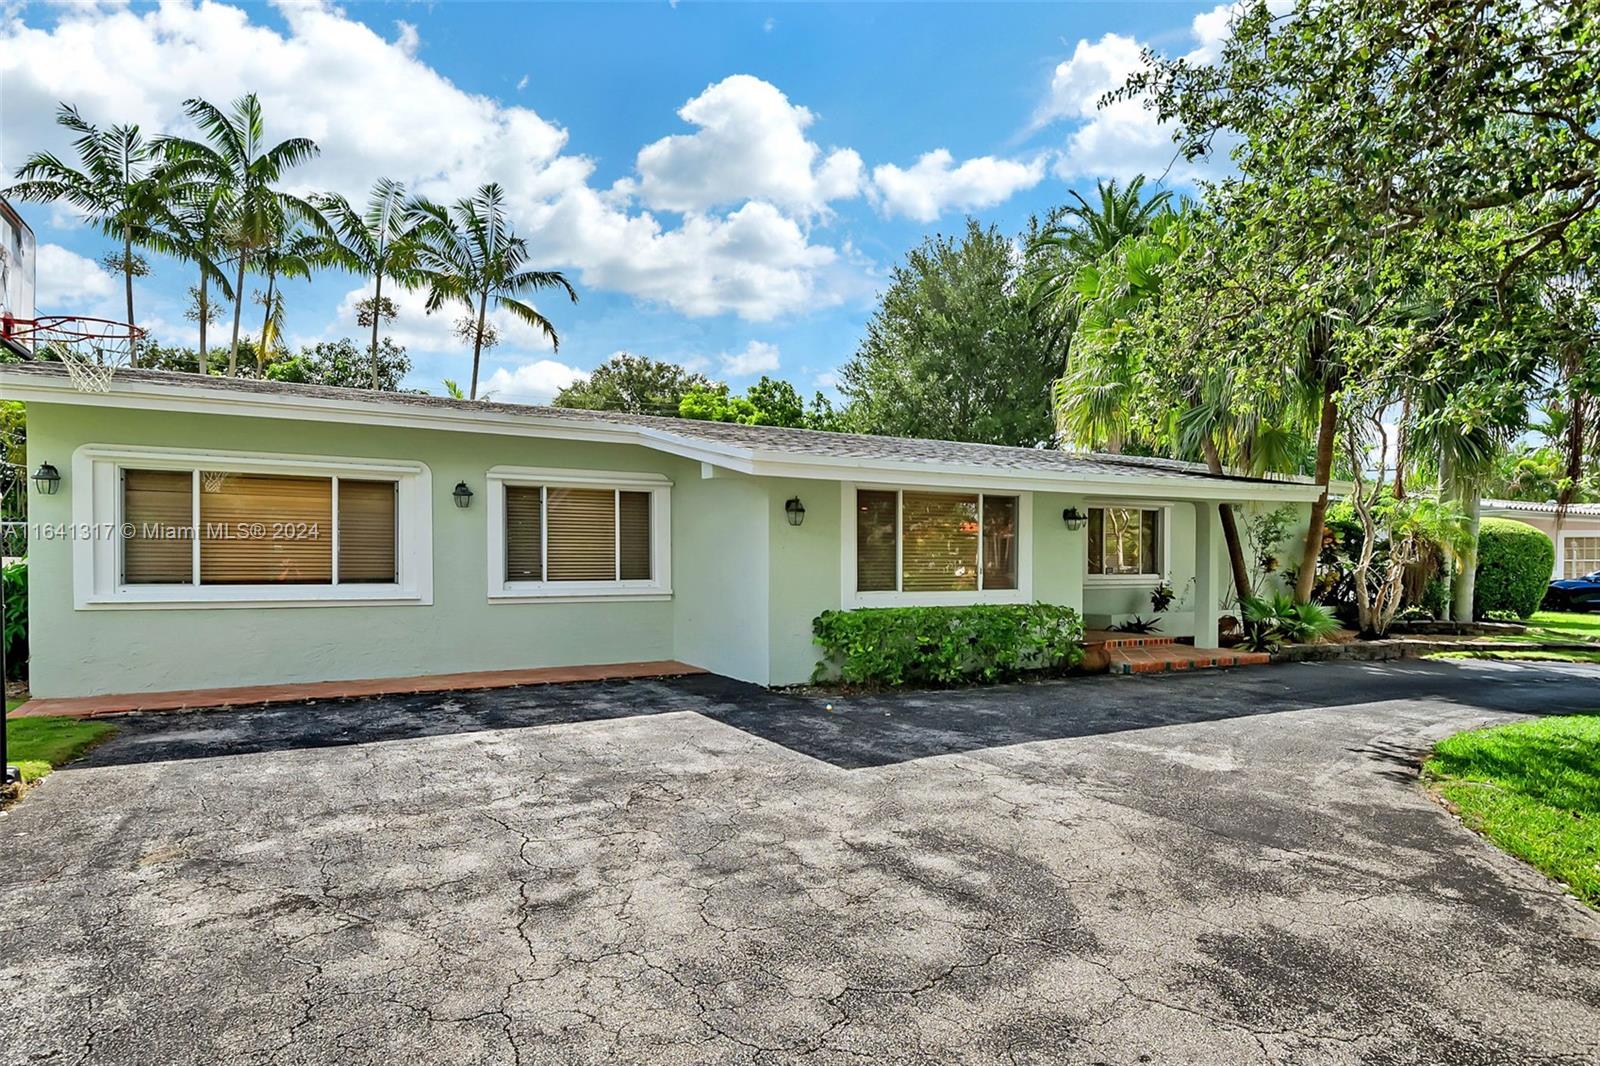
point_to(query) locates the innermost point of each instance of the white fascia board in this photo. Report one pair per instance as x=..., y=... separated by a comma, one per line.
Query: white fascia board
x=181, y=398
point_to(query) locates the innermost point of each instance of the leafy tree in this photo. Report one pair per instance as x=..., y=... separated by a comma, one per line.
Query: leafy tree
x=294, y=253
x=116, y=185
x=381, y=241
x=235, y=157
x=467, y=254
x=778, y=400
x=951, y=351
x=344, y=364
x=636, y=384
x=715, y=404
x=192, y=230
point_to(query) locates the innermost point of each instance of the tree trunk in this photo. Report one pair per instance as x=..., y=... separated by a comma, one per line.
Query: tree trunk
x=238, y=309
x=477, y=341
x=205, y=313
x=127, y=281
x=1319, y=510
x=1230, y=529
x=266, y=324
x=377, y=298
x=1447, y=475
x=1401, y=433
x=1466, y=582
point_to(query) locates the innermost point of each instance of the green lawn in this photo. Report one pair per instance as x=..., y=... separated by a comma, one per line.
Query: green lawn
x=1534, y=789
x=1523, y=656
x=1565, y=625
x=39, y=745
x=1562, y=626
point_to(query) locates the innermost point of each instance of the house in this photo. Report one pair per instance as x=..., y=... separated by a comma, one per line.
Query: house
x=1577, y=540
x=218, y=532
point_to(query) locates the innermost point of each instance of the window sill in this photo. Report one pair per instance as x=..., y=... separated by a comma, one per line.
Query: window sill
x=579, y=593
x=1120, y=580
x=253, y=596
x=936, y=599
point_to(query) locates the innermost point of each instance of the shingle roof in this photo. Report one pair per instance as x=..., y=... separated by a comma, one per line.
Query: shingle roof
x=764, y=440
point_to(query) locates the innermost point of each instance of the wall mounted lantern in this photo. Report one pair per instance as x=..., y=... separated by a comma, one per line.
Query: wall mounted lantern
x=47, y=479
x=462, y=495
x=795, y=510
x=1074, y=518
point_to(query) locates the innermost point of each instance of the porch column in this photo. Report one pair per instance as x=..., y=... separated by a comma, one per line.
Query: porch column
x=1207, y=573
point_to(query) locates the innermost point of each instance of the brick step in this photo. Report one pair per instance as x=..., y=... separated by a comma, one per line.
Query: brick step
x=1106, y=638
x=1160, y=660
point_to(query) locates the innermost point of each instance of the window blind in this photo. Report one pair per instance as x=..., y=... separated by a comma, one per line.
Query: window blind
x=582, y=527
x=367, y=532
x=875, y=540
x=633, y=538
x=158, y=516
x=524, y=533
x=265, y=529
x=939, y=542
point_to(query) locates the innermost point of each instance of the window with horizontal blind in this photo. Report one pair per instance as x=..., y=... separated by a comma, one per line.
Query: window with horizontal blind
x=1126, y=542
x=911, y=542
x=571, y=539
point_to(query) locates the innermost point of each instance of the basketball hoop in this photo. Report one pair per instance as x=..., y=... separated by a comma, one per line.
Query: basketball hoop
x=92, y=349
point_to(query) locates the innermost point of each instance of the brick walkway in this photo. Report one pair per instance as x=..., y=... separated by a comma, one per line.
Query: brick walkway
x=1141, y=653
x=255, y=695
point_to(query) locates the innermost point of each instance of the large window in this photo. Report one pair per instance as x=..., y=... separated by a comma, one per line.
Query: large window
x=912, y=542
x=571, y=534
x=166, y=527
x=1126, y=542
x=1581, y=555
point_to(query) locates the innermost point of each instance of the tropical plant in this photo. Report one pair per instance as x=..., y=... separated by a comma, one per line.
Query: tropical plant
x=117, y=185
x=468, y=254
x=343, y=364
x=235, y=157
x=636, y=384
x=380, y=242
x=294, y=253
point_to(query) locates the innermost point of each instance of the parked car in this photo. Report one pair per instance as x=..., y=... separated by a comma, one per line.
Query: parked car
x=1575, y=593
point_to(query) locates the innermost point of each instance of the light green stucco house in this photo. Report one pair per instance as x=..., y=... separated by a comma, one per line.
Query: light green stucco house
x=217, y=532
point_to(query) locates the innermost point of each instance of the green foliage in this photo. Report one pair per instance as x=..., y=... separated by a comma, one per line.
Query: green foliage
x=39, y=745
x=769, y=402
x=344, y=364
x=636, y=384
x=714, y=404
x=1515, y=561
x=946, y=645
x=1272, y=620
x=15, y=634
x=952, y=351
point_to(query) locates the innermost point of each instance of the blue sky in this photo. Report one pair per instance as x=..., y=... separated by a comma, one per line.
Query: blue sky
x=728, y=185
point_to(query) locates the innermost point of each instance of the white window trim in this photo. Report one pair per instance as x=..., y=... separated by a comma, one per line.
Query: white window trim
x=97, y=516
x=1560, y=573
x=851, y=598
x=659, y=587
x=1139, y=580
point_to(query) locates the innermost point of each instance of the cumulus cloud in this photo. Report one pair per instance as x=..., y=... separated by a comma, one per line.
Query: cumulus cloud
x=535, y=382
x=68, y=283
x=750, y=145
x=934, y=184
x=419, y=331
x=758, y=357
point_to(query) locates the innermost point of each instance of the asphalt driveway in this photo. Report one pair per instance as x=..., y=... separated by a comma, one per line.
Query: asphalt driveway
x=1230, y=869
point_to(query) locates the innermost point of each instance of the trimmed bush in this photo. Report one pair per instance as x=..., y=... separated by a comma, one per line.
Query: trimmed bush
x=15, y=578
x=1514, y=565
x=946, y=645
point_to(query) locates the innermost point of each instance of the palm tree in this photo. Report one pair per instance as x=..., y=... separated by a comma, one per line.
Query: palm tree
x=118, y=186
x=190, y=229
x=237, y=158
x=294, y=253
x=380, y=241
x=467, y=254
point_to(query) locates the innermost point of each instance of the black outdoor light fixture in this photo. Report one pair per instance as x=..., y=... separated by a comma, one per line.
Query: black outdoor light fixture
x=795, y=510
x=47, y=479
x=1074, y=518
x=462, y=495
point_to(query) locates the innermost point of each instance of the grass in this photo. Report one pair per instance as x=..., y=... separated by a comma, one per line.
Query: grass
x=1544, y=626
x=1534, y=789
x=1547, y=656
x=1564, y=625
x=38, y=745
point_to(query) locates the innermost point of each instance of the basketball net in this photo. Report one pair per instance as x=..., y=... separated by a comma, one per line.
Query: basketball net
x=92, y=349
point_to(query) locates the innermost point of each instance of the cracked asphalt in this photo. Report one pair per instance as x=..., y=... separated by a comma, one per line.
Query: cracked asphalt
x=1232, y=868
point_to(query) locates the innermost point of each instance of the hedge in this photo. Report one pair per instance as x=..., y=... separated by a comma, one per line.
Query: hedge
x=15, y=635
x=946, y=645
x=1515, y=561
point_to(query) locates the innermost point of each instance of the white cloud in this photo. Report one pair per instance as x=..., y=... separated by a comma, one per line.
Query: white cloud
x=750, y=145
x=408, y=39
x=933, y=185
x=522, y=83
x=377, y=110
x=68, y=283
x=758, y=357
x=535, y=382
x=419, y=331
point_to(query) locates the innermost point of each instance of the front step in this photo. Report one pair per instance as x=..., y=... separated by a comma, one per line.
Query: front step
x=1100, y=644
x=1160, y=660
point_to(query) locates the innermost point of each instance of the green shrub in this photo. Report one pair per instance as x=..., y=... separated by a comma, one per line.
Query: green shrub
x=946, y=645
x=1514, y=565
x=15, y=635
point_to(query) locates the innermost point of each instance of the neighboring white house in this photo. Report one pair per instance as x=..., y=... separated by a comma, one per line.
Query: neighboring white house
x=210, y=532
x=1577, y=540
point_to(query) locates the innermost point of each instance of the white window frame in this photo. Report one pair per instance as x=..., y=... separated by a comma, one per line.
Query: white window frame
x=1561, y=552
x=97, y=535
x=659, y=486
x=852, y=598
x=1164, y=512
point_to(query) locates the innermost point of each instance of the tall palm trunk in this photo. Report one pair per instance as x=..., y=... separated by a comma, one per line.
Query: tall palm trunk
x=1447, y=474
x=1230, y=528
x=266, y=324
x=1400, y=448
x=477, y=341
x=1465, y=589
x=205, y=314
x=127, y=282
x=1307, y=576
x=377, y=301
x=238, y=309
